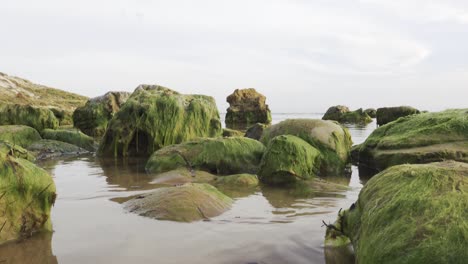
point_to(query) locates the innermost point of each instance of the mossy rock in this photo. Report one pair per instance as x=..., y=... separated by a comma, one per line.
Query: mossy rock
x=243, y=180
x=232, y=133
x=332, y=140
x=247, y=107
x=45, y=149
x=154, y=117
x=256, y=131
x=16, y=151
x=37, y=118
x=181, y=176
x=64, y=117
x=288, y=159
x=216, y=155
x=93, y=117
x=386, y=115
x=422, y=138
x=19, y=135
x=410, y=214
x=371, y=112
x=76, y=138
x=342, y=114
x=27, y=194
x=187, y=203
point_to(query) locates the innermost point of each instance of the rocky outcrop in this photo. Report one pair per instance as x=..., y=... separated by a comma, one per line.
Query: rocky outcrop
x=247, y=107
x=342, y=114
x=408, y=214
x=154, y=117
x=37, y=118
x=388, y=114
x=187, y=203
x=93, y=117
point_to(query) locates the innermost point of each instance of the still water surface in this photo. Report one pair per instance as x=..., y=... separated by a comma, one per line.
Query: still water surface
x=91, y=226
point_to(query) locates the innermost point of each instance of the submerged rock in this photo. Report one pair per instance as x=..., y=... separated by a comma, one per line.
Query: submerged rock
x=422, y=138
x=217, y=155
x=388, y=114
x=37, y=118
x=187, y=203
x=93, y=117
x=247, y=107
x=19, y=135
x=74, y=137
x=243, y=180
x=154, y=117
x=45, y=149
x=342, y=114
x=409, y=214
x=27, y=195
x=289, y=159
x=332, y=140
x=232, y=133
x=256, y=131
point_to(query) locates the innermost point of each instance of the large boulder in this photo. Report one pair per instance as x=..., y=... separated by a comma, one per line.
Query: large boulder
x=423, y=138
x=332, y=140
x=93, y=117
x=27, y=195
x=409, y=214
x=342, y=114
x=247, y=107
x=187, y=203
x=388, y=114
x=154, y=117
x=35, y=117
x=217, y=155
x=73, y=137
x=19, y=135
x=289, y=159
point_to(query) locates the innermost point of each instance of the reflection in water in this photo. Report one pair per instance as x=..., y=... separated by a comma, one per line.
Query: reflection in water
x=36, y=249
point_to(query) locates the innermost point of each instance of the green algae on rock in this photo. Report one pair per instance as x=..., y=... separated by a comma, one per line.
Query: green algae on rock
x=27, y=194
x=332, y=140
x=422, y=138
x=37, y=118
x=187, y=203
x=342, y=114
x=232, y=133
x=388, y=114
x=16, y=151
x=243, y=180
x=19, y=135
x=73, y=137
x=256, y=131
x=92, y=118
x=247, y=107
x=217, y=155
x=154, y=117
x=288, y=159
x=45, y=149
x=371, y=112
x=410, y=214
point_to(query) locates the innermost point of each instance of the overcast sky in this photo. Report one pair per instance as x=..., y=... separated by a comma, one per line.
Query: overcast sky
x=304, y=55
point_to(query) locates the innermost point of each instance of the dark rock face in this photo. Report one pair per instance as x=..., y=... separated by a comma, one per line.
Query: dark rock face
x=247, y=107
x=92, y=118
x=256, y=131
x=388, y=114
x=342, y=114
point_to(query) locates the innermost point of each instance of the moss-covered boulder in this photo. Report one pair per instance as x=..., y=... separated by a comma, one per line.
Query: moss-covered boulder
x=388, y=114
x=74, y=137
x=371, y=112
x=226, y=156
x=181, y=176
x=19, y=135
x=246, y=107
x=422, y=138
x=232, y=133
x=409, y=214
x=332, y=140
x=342, y=114
x=187, y=203
x=93, y=117
x=256, y=131
x=27, y=194
x=288, y=159
x=37, y=118
x=45, y=149
x=16, y=151
x=243, y=180
x=154, y=117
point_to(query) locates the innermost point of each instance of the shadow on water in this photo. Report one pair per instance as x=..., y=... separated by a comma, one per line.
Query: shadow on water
x=37, y=249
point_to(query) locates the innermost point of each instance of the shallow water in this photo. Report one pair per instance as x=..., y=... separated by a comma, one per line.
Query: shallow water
x=266, y=226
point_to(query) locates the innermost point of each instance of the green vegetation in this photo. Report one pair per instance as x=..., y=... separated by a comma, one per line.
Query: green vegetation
x=37, y=118
x=247, y=107
x=154, y=117
x=410, y=214
x=217, y=155
x=186, y=203
x=232, y=133
x=332, y=140
x=289, y=159
x=243, y=180
x=371, y=112
x=19, y=135
x=386, y=115
x=342, y=114
x=70, y=136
